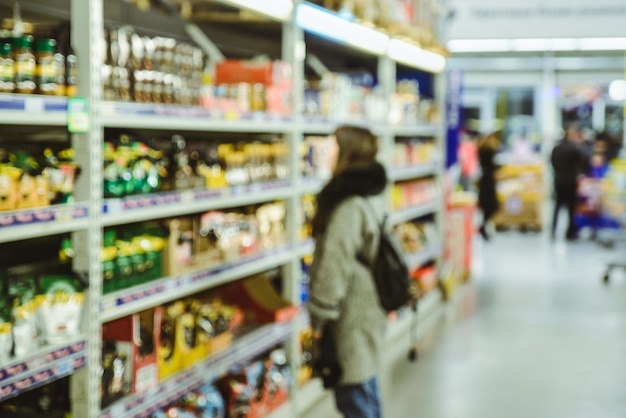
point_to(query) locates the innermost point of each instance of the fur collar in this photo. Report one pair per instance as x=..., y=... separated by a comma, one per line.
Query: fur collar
x=368, y=180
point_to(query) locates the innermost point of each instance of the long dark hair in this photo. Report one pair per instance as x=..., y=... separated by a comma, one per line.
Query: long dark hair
x=357, y=172
x=357, y=147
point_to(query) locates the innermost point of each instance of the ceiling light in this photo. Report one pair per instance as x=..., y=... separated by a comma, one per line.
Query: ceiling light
x=275, y=9
x=617, y=90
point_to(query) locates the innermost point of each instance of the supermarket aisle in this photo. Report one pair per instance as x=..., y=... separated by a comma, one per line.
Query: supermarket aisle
x=535, y=335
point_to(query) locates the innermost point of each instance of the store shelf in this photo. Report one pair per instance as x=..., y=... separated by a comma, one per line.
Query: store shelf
x=417, y=129
x=312, y=185
x=306, y=247
x=41, y=367
x=163, y=205
x=136, y=299
x=23, y=109
x=321, y=126
x=242, y=351
x=51, y=220
x=419, y=259
x=188, y=118
x=413, y=172
x=408, y=214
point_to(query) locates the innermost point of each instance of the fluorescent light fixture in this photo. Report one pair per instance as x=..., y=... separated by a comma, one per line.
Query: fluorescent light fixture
x=564, y=44
x=414, y=56
x=275, y=9
x=532, y=44
x=617, y=90
x=329, y=25
x=603, y=44
x=479, y=45
x=537, y=44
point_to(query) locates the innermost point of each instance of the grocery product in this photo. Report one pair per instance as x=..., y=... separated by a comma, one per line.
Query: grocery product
x=59, y=305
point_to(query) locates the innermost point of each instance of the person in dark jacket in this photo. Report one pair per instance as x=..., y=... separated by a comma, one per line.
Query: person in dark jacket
x=568, y=164
x=487, y=197
x=343, y=299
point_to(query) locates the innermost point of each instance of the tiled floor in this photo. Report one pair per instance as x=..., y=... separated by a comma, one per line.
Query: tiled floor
x=535, y=335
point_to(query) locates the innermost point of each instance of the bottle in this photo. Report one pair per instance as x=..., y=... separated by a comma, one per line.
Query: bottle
x=25, y=65
x=71, y=74
x=7, y=69
x=46, y=67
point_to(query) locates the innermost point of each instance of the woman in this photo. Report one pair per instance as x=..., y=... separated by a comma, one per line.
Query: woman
x=487, y=197
x=343, y=300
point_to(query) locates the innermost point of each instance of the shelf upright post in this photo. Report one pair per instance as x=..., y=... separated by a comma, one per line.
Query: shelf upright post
x=441, y=138
x=87, y=24
x=293, y=51
x=387, y=84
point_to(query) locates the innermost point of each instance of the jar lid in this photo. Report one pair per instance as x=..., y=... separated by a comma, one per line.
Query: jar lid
x=45, y=45
x=23, y=42
x=5, y=49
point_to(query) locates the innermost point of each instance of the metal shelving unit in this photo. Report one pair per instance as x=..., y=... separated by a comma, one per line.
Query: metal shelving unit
x=167, y=289
x=414, y=172
x=163, y=205
x=87, y=219
x=42, y=366
x=244, y=349
x=408, y=214
x=30, y=223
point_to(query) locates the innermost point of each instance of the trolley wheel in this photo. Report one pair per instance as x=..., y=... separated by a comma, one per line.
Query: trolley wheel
x=523, y=229
x=605, y=278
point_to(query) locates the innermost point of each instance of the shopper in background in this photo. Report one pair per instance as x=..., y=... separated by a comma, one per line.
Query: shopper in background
x=568, y=162
x=344, y=304
x=487, y=197
x=468, y=159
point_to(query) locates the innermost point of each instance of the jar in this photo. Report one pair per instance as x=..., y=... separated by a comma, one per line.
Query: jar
x=71, y=74
x=7, y=69
x=25, y=65
x=59, y=73
x=46, y=70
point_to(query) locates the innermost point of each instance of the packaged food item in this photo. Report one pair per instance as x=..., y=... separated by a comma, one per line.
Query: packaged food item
x=46, y=69
x=115, y=375
x=21, y=291
x=59, y=305
x=108, y=256
x=7, y=68
x=6, y=336
x=25, y=65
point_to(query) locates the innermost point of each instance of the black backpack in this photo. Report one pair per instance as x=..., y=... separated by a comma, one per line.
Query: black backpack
x=395, y=287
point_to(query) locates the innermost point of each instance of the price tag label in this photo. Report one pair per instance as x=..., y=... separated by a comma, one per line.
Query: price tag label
x=78, y=120
x=34, y=104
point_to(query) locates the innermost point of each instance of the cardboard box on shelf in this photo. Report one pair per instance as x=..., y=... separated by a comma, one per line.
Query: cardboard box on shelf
x=259, y=300
x=186, y=250
x=135, y=335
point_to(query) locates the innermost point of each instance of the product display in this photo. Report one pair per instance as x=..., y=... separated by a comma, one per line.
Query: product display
x=413, y=193
x=414, y=151
x=205, y=402
x=416, y=236
x=520, y=192
x=339, y=96
x=239, y=88
x=200, y=160
x=132, y=256
x=31, y=180
x=33, y=63
x=150, y=69
x=134, y=167
x=39, y=305
x=257, y=389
